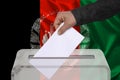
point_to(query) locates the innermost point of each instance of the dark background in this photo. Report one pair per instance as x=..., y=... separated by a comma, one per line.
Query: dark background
x=19, y=18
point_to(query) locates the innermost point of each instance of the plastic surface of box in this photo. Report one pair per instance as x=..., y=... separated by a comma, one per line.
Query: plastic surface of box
x=83, y=64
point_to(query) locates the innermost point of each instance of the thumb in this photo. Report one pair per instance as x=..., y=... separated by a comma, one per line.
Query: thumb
x=63, y=29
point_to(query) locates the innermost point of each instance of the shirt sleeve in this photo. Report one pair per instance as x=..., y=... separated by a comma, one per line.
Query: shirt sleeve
x=97, y=11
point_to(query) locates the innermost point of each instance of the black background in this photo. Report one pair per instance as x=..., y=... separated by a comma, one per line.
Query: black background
x=18, y=20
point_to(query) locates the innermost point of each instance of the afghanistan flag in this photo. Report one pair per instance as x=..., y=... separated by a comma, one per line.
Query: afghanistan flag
x=104, y=35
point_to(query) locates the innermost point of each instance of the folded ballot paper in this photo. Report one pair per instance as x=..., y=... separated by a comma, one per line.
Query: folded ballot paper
x=56, y=46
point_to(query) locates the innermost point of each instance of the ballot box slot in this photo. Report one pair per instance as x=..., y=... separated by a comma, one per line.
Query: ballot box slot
x=70, y=57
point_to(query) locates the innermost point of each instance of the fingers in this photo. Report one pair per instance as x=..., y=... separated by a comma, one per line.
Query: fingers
x=57, y=23
x=63, y=29
x=68, y=19
x=58, y=20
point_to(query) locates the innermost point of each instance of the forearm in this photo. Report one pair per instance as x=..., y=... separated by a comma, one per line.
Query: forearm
x=99, y=10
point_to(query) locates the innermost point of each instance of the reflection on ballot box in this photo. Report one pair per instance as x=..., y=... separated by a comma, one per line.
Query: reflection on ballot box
x=82, y=64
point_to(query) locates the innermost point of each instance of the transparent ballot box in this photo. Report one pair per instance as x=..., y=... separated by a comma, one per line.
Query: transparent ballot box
x=82, y=64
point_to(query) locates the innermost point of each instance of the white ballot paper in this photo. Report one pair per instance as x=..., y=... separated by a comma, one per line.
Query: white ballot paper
x=56, y=46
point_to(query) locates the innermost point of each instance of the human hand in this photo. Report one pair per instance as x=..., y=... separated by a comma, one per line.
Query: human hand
x=68, y=19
